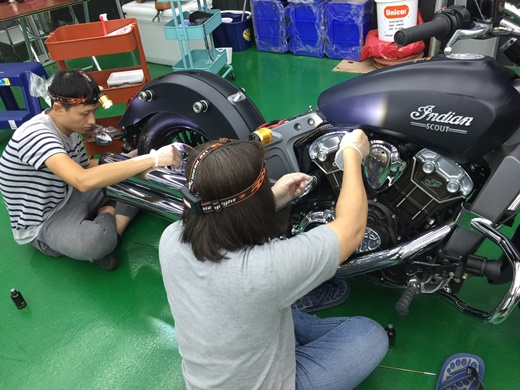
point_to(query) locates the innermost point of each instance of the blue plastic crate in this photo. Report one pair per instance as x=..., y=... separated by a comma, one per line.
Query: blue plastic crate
x=305, y=28
x=343, y=51
x=346, y=26
x=269, y=25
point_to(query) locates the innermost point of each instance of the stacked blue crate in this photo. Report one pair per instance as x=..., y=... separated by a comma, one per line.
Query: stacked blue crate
x=269, y=25
x=305, y=27
x=347, y=23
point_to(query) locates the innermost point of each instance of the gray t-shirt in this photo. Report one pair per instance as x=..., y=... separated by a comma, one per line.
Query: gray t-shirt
x=233, y=318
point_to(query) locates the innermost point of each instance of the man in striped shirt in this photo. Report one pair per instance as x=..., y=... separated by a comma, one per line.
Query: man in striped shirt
x=53, y=192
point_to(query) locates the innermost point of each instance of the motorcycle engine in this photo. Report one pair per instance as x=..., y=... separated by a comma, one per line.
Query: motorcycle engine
x=408, y=192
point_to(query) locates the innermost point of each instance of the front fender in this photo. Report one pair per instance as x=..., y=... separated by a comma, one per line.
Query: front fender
x=230, y=112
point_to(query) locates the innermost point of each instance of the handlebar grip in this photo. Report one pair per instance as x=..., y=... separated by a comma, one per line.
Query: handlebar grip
x=404, y=302
x=439, y=26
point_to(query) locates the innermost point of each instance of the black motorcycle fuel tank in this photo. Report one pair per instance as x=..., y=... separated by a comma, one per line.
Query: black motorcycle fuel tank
x=460, y=107
x=229, y=112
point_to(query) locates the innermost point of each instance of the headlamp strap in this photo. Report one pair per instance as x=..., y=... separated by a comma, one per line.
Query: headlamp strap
x=202, y=155
x=219, y=204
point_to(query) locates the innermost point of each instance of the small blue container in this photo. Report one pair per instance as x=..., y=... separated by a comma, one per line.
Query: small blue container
x=237, y=34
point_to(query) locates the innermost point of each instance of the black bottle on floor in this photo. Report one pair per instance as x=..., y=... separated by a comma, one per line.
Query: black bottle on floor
x=390, y=331
x=18, y=299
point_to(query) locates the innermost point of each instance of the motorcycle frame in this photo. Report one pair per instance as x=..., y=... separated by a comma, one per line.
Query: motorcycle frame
x=460, y=239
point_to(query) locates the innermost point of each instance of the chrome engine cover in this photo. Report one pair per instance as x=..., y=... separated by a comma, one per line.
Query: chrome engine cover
x=323, y=150
x=405, y=196
x=442, y=179
x=370, y=242
x=383, y=165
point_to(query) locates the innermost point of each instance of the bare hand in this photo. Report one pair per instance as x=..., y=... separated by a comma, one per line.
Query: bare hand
x=289, y=187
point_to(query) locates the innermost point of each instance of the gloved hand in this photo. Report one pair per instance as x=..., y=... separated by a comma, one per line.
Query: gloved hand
x=167, y=155
x=355, y=139
x=289, y=186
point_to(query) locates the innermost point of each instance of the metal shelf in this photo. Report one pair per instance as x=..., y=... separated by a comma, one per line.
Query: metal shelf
x=209, y=60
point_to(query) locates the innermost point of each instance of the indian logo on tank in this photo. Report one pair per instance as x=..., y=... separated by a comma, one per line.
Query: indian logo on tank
x=447, y=122
x=396, y=11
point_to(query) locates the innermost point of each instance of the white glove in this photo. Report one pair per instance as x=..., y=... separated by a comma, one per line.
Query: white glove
x=165, y=156
x=355, y=139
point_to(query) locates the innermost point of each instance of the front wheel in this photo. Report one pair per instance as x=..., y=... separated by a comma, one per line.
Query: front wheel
x=165, y=128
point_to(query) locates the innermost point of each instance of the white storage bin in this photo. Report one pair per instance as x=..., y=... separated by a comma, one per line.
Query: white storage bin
x=156, y=47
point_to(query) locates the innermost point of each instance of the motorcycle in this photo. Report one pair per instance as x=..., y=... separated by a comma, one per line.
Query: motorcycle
x=442, y=175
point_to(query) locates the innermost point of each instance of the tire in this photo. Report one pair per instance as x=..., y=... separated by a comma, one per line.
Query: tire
x=164, y=128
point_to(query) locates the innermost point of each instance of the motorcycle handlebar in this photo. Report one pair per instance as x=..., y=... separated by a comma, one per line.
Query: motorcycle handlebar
x=436, y=27
x=442, y=26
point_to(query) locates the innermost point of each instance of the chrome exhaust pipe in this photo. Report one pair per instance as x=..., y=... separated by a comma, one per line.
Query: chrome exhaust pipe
x=156, y=190
x=391, y=257
x=162, y=204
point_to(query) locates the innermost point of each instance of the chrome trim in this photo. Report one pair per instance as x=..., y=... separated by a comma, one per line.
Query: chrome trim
x=390, y=257
x=514, y=205
x=237, y=97
x=166, y=178
x=314, y=217
x=323, y=150
x=447, y=170
x=512, y=11
x=510, y=300
x=303, y=123
x=383, y=165
x=162, y=204
x=370, y=242
x=156, y=190
x=478, y=30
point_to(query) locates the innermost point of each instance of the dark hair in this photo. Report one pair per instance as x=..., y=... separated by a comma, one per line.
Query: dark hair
x=224, y=172
x=71, y=84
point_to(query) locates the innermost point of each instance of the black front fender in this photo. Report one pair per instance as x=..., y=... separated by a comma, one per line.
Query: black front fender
x=230, y=112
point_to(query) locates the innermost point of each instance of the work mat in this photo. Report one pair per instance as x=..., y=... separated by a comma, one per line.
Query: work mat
x=355, y=66
x=372, y=63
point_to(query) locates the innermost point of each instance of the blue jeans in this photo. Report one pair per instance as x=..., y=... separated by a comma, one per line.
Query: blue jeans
x=336, y=353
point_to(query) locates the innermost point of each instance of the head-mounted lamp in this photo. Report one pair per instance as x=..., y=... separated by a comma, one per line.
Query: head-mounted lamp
x=95, y=96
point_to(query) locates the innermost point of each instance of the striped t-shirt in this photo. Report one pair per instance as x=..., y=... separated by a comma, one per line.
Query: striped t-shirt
x=31, y=192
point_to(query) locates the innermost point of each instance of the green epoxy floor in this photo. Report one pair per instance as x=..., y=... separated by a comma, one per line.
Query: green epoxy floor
x=85, y=328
